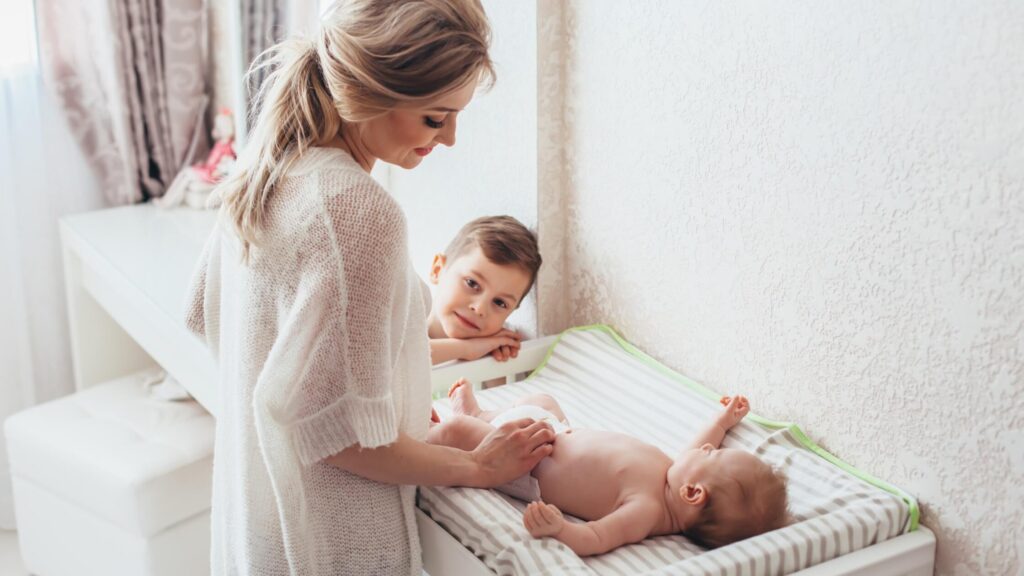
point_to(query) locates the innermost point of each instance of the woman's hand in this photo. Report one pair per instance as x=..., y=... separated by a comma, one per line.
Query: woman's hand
x=511, y=450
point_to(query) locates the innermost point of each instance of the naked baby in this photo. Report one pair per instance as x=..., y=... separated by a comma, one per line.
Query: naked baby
x=627, y=489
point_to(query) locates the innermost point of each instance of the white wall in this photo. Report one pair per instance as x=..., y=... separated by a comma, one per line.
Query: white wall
x=492, y=169
x=820, y=206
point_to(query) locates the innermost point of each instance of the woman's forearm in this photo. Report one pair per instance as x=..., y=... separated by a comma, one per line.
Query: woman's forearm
x=409, y=461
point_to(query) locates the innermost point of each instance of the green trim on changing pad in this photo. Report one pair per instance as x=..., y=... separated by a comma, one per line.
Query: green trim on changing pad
x=793, y=429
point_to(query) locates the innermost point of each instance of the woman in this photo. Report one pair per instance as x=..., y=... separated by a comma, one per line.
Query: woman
x=306, y=295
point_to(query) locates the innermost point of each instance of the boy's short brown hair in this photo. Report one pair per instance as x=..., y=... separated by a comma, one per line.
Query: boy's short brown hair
x=503, y=240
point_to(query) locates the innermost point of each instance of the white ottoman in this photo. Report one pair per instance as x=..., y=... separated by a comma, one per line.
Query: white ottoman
x=110, y=482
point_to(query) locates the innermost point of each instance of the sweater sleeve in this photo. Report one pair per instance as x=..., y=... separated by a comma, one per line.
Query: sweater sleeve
x=328, y=379
x=201, y=304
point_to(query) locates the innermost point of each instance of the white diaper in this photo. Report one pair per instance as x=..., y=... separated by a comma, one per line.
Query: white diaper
x=526, y=487
x=529, y=411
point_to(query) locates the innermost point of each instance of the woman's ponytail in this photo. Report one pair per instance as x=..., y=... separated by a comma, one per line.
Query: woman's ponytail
x=296, y=112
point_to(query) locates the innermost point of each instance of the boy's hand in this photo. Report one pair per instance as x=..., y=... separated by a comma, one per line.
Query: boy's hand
x=542, y=519
x=502, y=346
x=736, y=407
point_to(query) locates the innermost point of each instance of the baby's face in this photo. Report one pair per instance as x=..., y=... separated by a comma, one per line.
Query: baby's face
x=475, y=296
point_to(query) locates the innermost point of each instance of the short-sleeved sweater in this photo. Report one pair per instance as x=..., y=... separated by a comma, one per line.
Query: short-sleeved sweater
x=321, y=342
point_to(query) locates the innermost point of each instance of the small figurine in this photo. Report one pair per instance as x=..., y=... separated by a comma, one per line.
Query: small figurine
x=193, y=185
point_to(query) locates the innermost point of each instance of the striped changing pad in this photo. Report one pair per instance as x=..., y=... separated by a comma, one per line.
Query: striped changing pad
x=603, y=382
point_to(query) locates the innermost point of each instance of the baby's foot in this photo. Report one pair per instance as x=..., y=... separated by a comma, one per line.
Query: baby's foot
x=463, y=400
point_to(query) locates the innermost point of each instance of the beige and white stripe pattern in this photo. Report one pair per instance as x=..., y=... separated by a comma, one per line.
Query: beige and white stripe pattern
x=601, y=385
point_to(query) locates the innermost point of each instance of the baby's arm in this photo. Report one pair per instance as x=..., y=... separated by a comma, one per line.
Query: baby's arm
x=735, y=409
x=631, y=522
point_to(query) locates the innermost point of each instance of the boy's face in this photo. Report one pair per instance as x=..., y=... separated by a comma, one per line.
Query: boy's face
x=475, y=296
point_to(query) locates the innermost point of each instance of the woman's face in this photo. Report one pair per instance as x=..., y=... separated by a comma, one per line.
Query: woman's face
x=404, y=137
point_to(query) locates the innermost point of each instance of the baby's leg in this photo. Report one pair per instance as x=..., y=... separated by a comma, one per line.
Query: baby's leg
x=464, y=402
x=459, y=431
x=545, y=401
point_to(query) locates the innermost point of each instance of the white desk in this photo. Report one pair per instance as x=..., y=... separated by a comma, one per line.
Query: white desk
x=127, y=272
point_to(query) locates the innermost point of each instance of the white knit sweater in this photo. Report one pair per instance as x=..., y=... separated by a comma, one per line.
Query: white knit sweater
x=322, y=343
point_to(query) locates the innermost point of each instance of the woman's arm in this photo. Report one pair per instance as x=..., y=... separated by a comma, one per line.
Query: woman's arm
x=506, y=453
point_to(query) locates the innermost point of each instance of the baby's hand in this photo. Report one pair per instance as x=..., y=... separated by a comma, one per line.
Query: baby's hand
x=543, y=519
x=736, y=407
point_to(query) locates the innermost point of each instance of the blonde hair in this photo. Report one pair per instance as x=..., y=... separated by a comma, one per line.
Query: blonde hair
x=739, y=508
x=370, y=57
x=503, y=240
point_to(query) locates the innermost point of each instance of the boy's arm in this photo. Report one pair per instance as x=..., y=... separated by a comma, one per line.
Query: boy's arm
x=735, y=409
x=445, y=349
x=631, y=522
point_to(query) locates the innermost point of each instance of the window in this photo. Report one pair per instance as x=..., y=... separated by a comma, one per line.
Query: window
x=17, y=36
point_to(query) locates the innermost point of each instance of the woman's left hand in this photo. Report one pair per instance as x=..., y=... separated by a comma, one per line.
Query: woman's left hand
x=511, y=450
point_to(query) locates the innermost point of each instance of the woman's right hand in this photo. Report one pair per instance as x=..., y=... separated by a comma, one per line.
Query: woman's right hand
x=511, y=450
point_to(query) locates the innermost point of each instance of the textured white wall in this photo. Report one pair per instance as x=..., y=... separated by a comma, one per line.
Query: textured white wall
x=820, y=206
x=492, y=169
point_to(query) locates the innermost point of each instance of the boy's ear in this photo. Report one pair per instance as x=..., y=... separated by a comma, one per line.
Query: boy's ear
x=435, y=269
x=694, y=494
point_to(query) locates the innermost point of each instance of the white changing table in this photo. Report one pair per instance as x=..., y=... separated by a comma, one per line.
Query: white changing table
x=911, y=554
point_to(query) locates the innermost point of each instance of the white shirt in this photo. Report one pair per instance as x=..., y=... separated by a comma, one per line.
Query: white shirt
x=322, y=343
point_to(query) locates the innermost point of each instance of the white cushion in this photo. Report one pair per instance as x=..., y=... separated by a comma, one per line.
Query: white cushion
x=141, y=463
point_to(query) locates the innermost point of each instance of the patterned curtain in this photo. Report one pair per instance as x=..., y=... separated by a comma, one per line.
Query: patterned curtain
x=130, y=76
x=263, y=25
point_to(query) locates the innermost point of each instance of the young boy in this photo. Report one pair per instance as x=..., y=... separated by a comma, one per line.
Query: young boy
x=481, y=278
x=629, y=490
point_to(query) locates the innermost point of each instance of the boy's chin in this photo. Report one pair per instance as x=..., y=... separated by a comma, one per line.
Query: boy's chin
x=458, y=333
x=455, y=329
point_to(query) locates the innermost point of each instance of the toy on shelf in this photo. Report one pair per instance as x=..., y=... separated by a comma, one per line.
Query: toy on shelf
x=194, y=185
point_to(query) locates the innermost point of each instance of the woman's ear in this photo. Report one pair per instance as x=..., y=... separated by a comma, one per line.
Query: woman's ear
x=437, y=267
x=694, y=494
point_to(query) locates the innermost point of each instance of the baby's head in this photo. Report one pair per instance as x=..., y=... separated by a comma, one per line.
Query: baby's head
x=725, y=495
x=483, y=275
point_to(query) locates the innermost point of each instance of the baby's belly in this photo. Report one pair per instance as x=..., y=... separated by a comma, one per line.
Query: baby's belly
x=590, y=472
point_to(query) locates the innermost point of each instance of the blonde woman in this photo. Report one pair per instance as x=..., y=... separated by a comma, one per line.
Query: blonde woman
x=306, y=296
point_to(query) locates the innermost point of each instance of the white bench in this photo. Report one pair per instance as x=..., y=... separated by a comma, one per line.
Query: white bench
x=106, y=480
x=109, y=481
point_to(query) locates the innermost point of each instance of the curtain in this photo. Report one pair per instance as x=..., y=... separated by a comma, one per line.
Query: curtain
x=263, y=24
x=43, y=175
x=130, y=76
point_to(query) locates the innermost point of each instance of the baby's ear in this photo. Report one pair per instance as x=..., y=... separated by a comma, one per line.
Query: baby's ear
x=435, y=269
x=694, y=494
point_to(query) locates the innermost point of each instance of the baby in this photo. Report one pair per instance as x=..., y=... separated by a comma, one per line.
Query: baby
x=629, y=490
x=482, y=277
